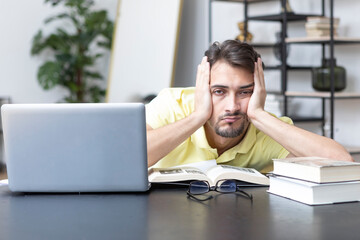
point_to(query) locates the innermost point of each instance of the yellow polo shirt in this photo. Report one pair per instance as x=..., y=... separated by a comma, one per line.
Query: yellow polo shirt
x=256, y=150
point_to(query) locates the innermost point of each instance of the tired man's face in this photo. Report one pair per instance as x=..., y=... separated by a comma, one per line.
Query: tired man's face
x=231, y=89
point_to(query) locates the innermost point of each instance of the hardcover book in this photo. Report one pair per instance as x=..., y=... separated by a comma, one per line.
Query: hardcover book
x=314, y=193
x=318, y=170
x=322, y=20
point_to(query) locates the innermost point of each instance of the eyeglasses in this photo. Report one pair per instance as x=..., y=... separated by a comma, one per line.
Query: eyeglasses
x=222, y=186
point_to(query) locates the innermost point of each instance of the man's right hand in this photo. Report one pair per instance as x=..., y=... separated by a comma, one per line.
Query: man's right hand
x=203, y=103
x=163, y=140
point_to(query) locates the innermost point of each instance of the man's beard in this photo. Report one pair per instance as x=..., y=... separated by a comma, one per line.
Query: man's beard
x=231, y=132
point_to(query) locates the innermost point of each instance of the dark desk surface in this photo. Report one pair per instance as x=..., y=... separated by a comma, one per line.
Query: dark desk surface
x=169, y=214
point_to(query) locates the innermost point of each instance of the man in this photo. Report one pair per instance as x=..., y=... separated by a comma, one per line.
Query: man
x=223, y=118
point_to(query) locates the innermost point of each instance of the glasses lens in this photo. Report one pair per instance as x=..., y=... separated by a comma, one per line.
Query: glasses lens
x=198, y=187
x=226, y=186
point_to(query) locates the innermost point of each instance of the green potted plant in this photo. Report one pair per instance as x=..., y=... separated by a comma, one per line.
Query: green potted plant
x=72, y=50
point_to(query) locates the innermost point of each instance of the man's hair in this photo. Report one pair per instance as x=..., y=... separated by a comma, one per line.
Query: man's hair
x=233, y=52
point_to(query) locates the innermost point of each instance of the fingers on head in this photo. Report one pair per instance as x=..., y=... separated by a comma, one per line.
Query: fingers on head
x=204, y=67
x=256, y=69
x=260, y=65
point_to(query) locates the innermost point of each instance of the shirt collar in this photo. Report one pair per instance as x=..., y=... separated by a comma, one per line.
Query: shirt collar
x=199, y=139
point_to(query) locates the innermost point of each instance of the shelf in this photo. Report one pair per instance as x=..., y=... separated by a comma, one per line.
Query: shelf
x=293, y=68
x=353, y=150
x=274, y=93
x=316, y=40
x=272, y=67
x=300, y=68
x=279, y=17
x=306, y=119
x=263, y=45
x=337, y=95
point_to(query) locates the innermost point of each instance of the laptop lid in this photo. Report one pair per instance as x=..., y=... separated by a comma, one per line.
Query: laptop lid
x=75, y=147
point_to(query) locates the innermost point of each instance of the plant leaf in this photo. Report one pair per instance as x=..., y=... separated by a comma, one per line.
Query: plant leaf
x=60, y=16
x=97, y=94
x=37, y=44
x=49, y=74
x=94, y=75
x=53, y=2
x=96, y=20
x=58, y=42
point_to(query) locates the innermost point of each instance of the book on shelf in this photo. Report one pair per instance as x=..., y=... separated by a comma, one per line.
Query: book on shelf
x=318, y=170
x=319, y=33
x=314, y=193
x=318, y=26
x=324, y=20
x=212, y=175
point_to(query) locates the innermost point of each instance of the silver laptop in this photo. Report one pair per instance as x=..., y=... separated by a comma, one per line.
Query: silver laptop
x=75, y=147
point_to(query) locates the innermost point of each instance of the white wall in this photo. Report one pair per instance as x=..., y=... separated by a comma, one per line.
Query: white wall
x=145, y=42
x=193, y=41
x=19, y=22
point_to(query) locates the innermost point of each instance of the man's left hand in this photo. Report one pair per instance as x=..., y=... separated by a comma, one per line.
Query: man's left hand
x=257, y=100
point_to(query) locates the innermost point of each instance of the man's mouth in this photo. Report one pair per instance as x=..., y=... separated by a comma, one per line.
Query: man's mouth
x=231, y=119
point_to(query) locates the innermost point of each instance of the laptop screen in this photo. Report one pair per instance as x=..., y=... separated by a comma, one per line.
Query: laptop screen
x=75, y=147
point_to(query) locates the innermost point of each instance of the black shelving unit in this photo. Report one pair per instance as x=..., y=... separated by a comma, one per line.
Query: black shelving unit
x=283, y=18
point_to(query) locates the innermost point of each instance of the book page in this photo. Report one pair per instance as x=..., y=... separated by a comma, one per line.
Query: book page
x=242, y=174
x=176, y=174
x=316, y=162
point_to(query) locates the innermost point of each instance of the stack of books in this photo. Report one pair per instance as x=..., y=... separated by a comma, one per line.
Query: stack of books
x=316, y=181
x=320, y=26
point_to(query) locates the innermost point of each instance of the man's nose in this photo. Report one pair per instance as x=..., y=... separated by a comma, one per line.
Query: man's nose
x=233, y=103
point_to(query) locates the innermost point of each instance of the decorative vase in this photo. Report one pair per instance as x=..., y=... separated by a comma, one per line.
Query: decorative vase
x=321, y=76
x=287, y=8
x=240, y=37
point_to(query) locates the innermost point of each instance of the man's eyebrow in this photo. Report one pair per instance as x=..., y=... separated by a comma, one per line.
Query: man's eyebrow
x=246, y=86
x=219, y=86
x=224, y=86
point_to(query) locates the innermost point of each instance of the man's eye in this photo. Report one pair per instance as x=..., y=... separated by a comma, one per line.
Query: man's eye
x=248, y=92
x=218, y=92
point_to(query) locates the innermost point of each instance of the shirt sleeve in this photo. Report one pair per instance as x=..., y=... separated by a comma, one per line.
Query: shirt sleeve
x=277, y=150
x=284, y=153
x=271, y=149
x=166, y=108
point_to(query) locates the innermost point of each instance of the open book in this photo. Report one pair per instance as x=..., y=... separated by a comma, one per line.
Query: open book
x=212, y=174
